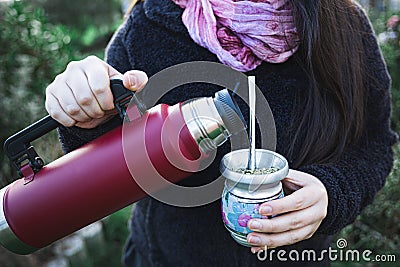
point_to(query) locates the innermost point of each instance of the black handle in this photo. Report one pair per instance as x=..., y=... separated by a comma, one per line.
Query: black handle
x=19, y=142
x=18, y=147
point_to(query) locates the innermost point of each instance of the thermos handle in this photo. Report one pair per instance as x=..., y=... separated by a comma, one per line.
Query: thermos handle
x=18, y=147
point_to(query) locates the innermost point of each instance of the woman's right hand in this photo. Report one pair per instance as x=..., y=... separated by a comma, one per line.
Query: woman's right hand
x=81, y=95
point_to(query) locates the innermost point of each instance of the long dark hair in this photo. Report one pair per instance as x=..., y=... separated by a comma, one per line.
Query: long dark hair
x=332, y=54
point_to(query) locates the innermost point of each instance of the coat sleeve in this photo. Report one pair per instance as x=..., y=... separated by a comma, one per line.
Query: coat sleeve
x=353, y=181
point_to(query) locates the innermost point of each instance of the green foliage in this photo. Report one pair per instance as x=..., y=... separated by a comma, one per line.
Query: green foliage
x=109, y=252
x=35, y=47
x=79, y=14
x=32, y=53
x=30, y=47
x=116, y=225
x=391, y=53
x=91, y=23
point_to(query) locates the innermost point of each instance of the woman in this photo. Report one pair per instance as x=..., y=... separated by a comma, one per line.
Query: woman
x=320, y=68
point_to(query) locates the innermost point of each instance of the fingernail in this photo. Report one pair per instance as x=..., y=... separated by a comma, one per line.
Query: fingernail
x=254, y=240
x=256, y=225
x=132, y=80
x=265, y=210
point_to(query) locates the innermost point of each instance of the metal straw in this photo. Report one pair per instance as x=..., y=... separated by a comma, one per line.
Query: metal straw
x=251, y=164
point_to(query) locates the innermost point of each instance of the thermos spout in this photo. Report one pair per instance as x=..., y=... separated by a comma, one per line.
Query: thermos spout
x=212, y=120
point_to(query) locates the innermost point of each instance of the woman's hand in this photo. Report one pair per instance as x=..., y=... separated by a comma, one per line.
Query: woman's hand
x=81, y=95
x=300, y=213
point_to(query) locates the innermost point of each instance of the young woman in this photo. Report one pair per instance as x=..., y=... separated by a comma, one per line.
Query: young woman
x=320, y=68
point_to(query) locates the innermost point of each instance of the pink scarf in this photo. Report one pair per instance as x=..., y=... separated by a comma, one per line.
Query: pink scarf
x=242, y=33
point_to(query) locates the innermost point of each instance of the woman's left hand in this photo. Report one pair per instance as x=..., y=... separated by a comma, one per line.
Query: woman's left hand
x=300, y=213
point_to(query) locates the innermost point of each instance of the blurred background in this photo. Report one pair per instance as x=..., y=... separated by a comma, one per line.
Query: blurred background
x=39, y=37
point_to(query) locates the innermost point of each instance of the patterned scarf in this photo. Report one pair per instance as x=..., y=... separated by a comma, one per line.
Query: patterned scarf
x=242, y=33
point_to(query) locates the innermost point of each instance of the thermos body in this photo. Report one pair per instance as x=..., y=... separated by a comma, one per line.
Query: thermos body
x=94, y=180
x=89, y=183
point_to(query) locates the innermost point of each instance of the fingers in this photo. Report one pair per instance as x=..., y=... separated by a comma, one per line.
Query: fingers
x=54, y=108
x=301, y=213
x=285, y=229
x=92, y=84
x=311, y=193
x=289, y=221
x=99, y=84
x=255, y=250
x=298, y=200
x=135, y=80
x=94, y=122
x=281, y=239
x=81, y=95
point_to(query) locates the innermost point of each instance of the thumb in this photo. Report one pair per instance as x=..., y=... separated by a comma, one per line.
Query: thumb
x=294, y=181
x=135, y=80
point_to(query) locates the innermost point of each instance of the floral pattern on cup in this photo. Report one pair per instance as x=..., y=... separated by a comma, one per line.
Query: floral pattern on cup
x=236, y=212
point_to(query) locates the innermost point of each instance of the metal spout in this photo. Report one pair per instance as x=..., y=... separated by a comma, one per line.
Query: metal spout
x=211, y=121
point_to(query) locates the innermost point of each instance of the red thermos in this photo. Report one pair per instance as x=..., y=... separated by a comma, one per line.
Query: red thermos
x=96, y=180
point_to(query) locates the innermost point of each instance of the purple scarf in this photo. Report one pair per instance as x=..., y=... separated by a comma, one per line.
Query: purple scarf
x=242, y=34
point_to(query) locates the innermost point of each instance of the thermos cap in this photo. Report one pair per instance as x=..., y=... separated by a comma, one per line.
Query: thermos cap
x=229, y=112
